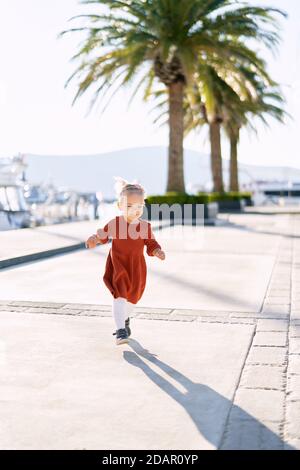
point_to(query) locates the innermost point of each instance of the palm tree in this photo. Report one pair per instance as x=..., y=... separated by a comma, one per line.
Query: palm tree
x=165, y=40
x=267, y=102
x=221, y=91
x=218, y=93
x=213, y=102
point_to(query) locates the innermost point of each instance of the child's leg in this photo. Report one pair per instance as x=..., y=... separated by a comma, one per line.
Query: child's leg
x=129, y=309
x=119, y=311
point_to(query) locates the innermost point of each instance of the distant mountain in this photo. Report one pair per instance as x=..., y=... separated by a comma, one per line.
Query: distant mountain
x=146, y=164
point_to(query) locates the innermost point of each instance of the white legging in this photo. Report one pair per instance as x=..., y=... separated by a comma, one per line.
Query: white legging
x=121, y=309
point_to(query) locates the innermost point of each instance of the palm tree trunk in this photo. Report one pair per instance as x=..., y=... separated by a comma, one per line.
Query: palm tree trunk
x=175, y=165
x=234, y=182
x=216, y=155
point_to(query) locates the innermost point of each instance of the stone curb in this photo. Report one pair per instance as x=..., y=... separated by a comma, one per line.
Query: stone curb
x=53, y=252
x=272, y=325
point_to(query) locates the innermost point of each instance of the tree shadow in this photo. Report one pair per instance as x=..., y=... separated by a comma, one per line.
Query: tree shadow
x=223, y=424
x=233, y=225
x=247, y=228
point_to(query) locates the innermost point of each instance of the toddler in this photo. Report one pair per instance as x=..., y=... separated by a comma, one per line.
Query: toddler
x=125, y=269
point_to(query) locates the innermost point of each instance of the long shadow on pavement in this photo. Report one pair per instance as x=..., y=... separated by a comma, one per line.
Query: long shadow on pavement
x=207, y=408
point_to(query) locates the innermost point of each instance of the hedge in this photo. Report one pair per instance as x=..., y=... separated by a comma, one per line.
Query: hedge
x=173, y=197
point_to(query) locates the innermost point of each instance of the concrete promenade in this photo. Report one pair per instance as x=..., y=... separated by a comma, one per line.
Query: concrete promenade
x=214, y=358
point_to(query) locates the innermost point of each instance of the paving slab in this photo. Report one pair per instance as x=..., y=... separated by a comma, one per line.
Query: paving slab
x=267, y=355
x=269, y=377
x=71, y=378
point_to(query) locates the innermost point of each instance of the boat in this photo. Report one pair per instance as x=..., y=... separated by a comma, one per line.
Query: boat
x=24, y=204
x=14, y=212
x=275, y=192
x=51, y=205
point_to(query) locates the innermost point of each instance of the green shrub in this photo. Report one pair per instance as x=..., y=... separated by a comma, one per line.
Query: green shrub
x=230, y=196
x=173, y=197
x=177, y=198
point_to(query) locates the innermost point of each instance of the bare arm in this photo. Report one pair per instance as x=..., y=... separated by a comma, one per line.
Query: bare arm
x=153, y=247
x=100, y=237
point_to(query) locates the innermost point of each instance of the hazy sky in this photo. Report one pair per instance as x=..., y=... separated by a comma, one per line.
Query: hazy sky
x=36, y=115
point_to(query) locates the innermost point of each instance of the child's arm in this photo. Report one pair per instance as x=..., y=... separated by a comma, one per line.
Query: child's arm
x=159, y=253
x=153, y=247
x=100, y=237
x=102, y=234
x=91, y=242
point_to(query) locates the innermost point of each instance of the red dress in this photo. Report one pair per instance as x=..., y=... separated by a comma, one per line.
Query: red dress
x=125, y=269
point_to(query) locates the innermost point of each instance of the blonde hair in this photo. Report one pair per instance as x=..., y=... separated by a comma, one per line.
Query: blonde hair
x=124, y=187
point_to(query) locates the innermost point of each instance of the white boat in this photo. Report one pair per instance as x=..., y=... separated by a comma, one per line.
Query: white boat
x=14, y=212
x=23, y=204
x=51, y=205
x=277, y=192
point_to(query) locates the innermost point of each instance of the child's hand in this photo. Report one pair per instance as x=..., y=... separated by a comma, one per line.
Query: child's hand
x=91, y=241
x=159, y=253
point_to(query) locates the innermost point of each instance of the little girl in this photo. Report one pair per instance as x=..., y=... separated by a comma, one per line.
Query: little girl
x=125, y=269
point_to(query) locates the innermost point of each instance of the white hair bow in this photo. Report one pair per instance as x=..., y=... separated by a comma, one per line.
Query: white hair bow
x=121, y=182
